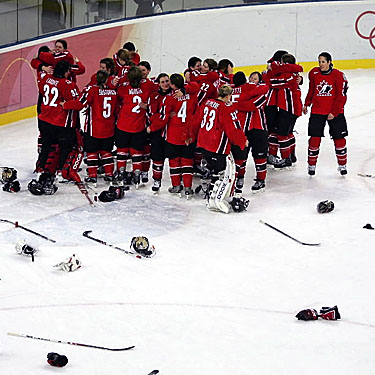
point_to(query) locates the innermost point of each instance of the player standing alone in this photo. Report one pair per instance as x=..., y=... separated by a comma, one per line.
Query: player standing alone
x=327, y=95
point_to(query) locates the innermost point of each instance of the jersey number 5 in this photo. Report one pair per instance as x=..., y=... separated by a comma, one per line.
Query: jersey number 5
x=107, y=107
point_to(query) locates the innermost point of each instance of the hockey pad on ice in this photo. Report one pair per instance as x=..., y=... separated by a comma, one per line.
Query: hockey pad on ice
x=308, y=314
x=12, y=187
x=330, y=313
x=57, y=360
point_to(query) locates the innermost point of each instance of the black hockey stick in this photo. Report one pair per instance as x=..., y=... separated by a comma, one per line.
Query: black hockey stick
x=69, y=342
x=154, y=372
x=26, y=229
x=287, y=235
x=86, y=234
x=366, y=175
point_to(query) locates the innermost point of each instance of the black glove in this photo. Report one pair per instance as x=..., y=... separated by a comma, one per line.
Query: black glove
x=57, y=360
x=308, y=314
x=330, y=313
x=12, y=187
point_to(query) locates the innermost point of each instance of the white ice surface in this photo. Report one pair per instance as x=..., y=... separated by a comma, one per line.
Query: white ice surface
x=221, y=293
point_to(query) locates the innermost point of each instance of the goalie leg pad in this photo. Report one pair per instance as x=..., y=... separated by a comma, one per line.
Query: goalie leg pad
x=71, y=165
x=223, y=187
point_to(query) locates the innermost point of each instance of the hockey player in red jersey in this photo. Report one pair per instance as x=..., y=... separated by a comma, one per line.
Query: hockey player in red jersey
x=157, y=139
x=131, y=125
x=327, y=98
x=123, y=63
x=133, y=53
x=99, y=129
x=225, y=70
x=250, y=99
x=208, y=80
x=57, y=126
x=194, y=64
x=285, y=80
x=218, y=127
x=106, y=65
x=271, y=109
x=60, y=53
x=179, y=151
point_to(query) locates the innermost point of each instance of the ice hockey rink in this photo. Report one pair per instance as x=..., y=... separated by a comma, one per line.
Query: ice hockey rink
x=221, y=294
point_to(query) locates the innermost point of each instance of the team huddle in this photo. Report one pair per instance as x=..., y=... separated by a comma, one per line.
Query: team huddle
x=204, y=122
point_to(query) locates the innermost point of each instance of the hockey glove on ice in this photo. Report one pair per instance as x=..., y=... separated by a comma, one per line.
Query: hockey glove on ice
x=308, y=314
x=57, y=360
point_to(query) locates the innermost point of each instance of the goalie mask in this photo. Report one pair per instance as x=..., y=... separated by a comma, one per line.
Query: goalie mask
x=141, y=246
x=7, y=174
x=325, y=206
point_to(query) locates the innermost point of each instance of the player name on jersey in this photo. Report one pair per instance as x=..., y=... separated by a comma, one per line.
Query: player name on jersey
x=107, y=92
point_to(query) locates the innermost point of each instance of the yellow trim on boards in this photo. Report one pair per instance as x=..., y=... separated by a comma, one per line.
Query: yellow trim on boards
x=17, y=115
x=29, y=112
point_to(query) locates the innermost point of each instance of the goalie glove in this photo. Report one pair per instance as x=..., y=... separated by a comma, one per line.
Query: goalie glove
x=12, y=187
x=330, y=313
x=308, y=314
x=70, y=264
x=23, y=248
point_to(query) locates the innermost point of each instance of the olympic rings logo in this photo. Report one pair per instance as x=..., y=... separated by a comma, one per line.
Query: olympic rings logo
x=371, y=36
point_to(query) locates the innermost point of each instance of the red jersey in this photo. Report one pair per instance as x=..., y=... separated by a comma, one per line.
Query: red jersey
x=208, y=84
x=327, y=92
x=250, y=100
x=109, y=83
x=101, y=111
x=54, y=91
x=218, y=127
x=53, y=58
x=132, y=117
x=176, y=127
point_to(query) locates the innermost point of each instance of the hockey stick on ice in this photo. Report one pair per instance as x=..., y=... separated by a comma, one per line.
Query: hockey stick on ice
x=287, y=235
x=69, y=342
x=26, y=229
x=366, y=175
x=86, y=234
x=154, y=372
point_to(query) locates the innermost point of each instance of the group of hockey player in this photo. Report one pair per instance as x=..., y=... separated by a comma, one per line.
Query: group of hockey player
x=204, y=122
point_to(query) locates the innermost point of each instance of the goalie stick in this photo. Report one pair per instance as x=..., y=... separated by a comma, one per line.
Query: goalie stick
x=366, y=175
x=287, y=235
x=26, y=229
x=86, y=234
x=82, y=188
x=69, y=342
